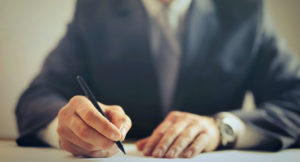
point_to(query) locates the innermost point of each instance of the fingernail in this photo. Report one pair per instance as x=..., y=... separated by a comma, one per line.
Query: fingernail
x=171, y=153
x=123, y=132
x=157, y=153
x=189, y=154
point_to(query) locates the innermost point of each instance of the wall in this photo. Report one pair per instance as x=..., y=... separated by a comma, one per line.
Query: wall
x=29, y=29
x=285, y=16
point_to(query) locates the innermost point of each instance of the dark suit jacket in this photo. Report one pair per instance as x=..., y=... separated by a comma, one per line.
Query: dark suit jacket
x=228, y=48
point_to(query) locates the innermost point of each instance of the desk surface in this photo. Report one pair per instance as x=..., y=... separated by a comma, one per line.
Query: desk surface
x=10, y=152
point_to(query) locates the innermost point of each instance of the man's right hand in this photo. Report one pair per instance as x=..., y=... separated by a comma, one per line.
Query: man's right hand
x=84, y=131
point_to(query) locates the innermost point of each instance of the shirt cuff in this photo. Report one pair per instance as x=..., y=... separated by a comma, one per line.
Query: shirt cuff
x=247, y=137
x=49, y=134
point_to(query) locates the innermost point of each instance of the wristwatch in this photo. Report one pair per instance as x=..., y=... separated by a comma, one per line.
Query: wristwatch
x=228, y=131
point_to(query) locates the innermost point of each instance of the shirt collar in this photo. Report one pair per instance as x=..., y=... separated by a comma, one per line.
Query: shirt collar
x=178, y=7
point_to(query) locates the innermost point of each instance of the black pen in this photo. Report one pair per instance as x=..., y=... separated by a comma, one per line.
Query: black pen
x=92, y=98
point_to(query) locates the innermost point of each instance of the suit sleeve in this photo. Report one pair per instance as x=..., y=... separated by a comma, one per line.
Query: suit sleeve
x=275, y=83
x=52, y=87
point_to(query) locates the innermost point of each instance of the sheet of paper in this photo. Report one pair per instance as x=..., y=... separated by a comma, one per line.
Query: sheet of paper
x=9, y=152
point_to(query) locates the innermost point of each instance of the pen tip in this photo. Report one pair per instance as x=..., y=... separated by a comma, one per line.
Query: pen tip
x=119, y=144
x=124, y=152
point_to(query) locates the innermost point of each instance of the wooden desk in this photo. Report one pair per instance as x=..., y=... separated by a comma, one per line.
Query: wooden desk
x=10, y=152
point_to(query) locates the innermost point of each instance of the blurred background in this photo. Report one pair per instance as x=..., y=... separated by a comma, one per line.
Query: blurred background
x=29, y=29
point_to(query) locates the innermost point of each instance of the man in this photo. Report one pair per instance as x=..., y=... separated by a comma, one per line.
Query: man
x=179, y=68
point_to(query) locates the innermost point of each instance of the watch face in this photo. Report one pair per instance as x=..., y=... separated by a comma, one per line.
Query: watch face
x=227, y=133
x=228, y=130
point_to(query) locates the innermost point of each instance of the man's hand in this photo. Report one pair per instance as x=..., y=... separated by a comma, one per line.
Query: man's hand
x=86, y=132
x=181, y=134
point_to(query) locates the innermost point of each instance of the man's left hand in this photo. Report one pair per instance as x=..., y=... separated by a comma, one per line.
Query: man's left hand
x=181, y=134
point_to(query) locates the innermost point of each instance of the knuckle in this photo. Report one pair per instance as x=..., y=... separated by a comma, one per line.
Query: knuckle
x=174, y=113
x=187, y=134
x=83, y=132
x=90, y=116
x=158, y=132
x=195, y=121
x=173, y=131
x=75, y=100
x=185, y=115
x=117, y=107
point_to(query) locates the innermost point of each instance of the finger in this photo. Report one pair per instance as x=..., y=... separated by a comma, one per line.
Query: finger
x=104, y=153
x=141, y=143
x=66, y=133
x=77, y=151
x=197, y=146
x=88, y=134
x=184, y=139
x=169, y=137
x=70, y=147
x=92, y=117
x=155, y=137
x=118, y=117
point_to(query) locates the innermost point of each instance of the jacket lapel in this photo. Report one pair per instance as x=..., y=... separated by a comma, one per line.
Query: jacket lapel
x=199, y=31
